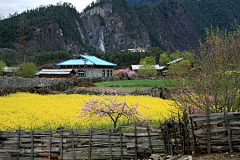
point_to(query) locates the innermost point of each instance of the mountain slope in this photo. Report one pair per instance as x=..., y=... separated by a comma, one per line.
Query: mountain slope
x=114, y=25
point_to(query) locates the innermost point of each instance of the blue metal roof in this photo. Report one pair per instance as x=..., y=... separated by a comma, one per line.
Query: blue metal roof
x=75, y=62
x=91, y=60
x=98, y=61
x=174, y=61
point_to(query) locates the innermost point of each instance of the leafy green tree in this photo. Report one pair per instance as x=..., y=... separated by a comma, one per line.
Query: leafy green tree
x=148, y=61
x=147, y=68
x=2, y=66
x=181, y=68
x=27, y=70
x=164, y=59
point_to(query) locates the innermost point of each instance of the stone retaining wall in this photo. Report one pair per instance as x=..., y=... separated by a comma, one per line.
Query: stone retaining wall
x=18, y=82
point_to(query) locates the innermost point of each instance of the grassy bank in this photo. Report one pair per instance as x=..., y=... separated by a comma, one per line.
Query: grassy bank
x=136, y=83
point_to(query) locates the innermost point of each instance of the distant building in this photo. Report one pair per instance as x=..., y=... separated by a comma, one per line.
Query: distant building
x=10, y=69
x=175, y=61
x=87, y=66
x=56, y=73
x=136, y=50
x=159, y=69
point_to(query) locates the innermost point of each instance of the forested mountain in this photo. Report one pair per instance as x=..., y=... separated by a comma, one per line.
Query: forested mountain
x=114, y=25
x=140, y=2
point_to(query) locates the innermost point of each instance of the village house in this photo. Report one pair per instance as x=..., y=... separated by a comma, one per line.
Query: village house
x=56, y=73
x=135, y=50
x=159, y=69
x=84, y=66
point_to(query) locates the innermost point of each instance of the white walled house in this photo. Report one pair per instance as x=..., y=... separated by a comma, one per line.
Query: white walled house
x=87, y=66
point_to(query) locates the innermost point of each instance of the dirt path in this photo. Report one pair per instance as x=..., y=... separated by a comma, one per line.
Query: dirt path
x=218, y=156
x=118, y=89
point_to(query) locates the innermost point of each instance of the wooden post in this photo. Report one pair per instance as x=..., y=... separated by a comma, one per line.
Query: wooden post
x=175, y=137
x=61, y=143
x=229, y=132
x=167, y=138
x=186, y=131
x=135, y=134
x=208, y=131
x=18, y=144
x=149, y=139
x=72, y=141
x=32, y=147
x=121, y=147
x=50, y=143
x=184, y=136
x=109, y=142
x=163, y=138
x=90, y=141
x=194, y=138
x=180, y=133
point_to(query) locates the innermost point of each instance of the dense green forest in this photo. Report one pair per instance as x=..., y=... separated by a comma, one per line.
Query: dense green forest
x=219, y=13
x=19, y=28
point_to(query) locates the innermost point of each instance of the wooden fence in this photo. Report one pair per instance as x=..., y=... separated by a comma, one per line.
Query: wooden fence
x=124, y=142
x=217, y=131
x=193, y=133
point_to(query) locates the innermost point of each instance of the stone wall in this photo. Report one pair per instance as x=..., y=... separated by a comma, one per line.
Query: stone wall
x=18, y=82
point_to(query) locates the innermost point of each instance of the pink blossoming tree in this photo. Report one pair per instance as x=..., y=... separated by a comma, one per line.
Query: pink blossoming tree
x=113, y=108
x=125, y=73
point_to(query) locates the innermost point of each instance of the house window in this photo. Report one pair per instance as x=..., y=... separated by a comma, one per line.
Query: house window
x=81, y=73
x=103, y=73
x=111, y=73
x=107, y=73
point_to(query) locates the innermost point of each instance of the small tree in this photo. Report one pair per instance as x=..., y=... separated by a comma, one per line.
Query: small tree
x=2, y=66
x=114, y=109
x=164, y=59
x=215, y=84
x=181, y=68
x=27, y=70
x=125, y=73
x=147, y=68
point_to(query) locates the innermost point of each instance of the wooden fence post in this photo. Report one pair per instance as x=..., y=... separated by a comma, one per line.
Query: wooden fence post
x=61, y=143
x=229, y=132
x=90, y=141
x=18, y=145
x=32, y=147
x=149, y=139
x=163, y=138
x=180, y=133
x=109, y=142
x=167, y=137
x=186, y=131
x=175, y=137
x=135, y=134
x=208, y=131
x=121, y=147
x=50, y=143
x=194, y=138
x=72, y=141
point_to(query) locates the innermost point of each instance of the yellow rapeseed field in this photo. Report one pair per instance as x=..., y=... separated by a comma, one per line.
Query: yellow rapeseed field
x=45, y=111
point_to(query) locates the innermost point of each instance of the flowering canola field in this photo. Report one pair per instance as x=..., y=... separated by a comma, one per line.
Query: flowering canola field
x=45, y=111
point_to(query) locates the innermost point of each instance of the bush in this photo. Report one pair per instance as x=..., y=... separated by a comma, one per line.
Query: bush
x=27, y=70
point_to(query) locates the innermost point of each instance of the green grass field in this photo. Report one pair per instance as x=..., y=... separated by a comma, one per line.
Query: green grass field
x=135, y=83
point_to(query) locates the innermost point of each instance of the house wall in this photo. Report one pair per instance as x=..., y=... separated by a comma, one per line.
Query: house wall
x=53, y=76
x=95, y=72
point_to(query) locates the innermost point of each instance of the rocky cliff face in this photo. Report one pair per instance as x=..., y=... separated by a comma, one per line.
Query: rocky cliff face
x=107, y=30
x=111, y=30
